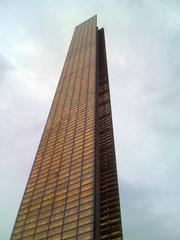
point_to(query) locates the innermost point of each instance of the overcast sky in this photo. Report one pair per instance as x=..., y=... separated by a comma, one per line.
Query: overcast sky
x=143, y=48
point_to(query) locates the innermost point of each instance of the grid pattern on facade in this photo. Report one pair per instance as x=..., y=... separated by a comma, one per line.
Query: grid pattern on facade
x=110, y=220
x=58, y=202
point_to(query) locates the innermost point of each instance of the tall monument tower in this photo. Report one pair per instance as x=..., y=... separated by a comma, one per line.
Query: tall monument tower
x=72, y=191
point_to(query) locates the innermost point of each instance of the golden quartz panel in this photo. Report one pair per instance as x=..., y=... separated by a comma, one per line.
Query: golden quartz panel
x=58, y=202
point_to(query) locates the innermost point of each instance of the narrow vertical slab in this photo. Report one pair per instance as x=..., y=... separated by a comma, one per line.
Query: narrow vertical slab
x=58, y=202
x=72, y=191
x=110, y=218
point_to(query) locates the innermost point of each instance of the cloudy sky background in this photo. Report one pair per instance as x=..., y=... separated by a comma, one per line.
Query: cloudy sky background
x=143, y=48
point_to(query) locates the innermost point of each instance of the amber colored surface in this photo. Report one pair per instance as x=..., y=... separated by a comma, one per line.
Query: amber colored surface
x=72, y=192
x=58, y=202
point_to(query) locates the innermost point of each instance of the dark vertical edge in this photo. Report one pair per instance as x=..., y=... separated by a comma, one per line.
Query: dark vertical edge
x=102, y=36
x=96, y=185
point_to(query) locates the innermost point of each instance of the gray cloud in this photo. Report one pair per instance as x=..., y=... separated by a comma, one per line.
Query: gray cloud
x=5, y=67
x=146, y=218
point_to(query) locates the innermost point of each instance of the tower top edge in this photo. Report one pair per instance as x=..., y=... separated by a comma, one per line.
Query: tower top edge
x=93, y=18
